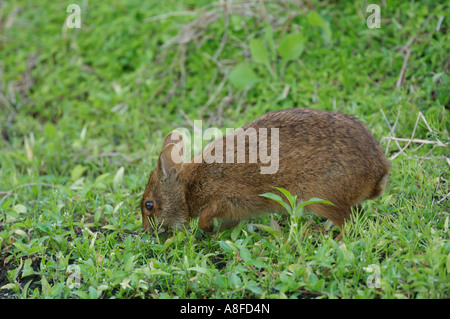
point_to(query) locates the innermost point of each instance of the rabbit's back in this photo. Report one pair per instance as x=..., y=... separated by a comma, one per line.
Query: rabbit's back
x=320, y=154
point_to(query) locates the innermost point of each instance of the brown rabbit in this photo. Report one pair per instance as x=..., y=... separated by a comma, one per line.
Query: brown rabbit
x=322, y=154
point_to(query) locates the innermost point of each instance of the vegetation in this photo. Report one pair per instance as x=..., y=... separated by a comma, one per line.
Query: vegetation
x=84, y=111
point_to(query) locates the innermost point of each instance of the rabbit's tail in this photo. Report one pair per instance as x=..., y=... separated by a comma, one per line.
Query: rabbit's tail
x=380, y=187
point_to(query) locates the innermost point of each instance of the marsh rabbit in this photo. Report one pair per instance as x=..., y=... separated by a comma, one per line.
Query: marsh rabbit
x=321, y=154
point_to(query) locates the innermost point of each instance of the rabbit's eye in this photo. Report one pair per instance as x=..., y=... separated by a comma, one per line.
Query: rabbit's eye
x=149, y=205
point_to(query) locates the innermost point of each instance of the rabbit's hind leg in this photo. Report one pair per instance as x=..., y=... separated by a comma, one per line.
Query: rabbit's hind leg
x=228, y=224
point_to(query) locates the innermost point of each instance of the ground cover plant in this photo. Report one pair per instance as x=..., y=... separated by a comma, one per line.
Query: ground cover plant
x=83, y=112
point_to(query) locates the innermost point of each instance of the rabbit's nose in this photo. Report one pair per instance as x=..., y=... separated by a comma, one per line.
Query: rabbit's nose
x=161, y=230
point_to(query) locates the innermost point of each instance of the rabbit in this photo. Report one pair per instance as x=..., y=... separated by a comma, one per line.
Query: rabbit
x=322, y=154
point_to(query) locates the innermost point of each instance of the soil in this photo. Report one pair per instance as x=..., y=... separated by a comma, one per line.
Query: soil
x=6, y=266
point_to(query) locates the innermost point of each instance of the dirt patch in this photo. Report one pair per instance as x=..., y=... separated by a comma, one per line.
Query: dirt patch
x=7, y=266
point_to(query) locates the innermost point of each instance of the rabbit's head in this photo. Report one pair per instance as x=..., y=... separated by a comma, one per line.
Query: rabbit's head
x=163, y=205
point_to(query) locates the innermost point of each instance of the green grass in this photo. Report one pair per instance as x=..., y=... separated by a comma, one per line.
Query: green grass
x=83, y=113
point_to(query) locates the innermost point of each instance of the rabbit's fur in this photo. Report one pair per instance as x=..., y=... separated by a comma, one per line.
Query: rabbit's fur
x=322, y=154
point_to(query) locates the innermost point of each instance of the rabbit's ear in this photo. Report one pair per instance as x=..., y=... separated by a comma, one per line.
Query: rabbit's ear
x=176, y=138
x=171, y=157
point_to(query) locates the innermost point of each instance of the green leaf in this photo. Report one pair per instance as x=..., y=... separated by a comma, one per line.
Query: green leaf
x=256, y=263
x=448, y=263
x=129, y=264
x=201, y=270
x=27, y=270
x=268, y=229
x=110, y=227
x=225, y=246
x=25, y=289
x=274, y=225
x=83, y=133
x=93, y=293
x=326, y=33
x=34, y=250
x=20, y=232
x=8, y=286
x=50, y=130
x=45, y=286
x=76, y=172
x=278, y=199
x=55, y=291
x=100, y=179
x=221, y=281
x=244, y=253
x=270, y=42
x=235, y=233
x=158, y=272
x=299, y=208
x=97, y=215
x=21, y=247
x=314, y=201
x=259, y=51
x=242, y=77
x=118, y=178
x=260, y=55
x=291, y=46
x=255, y=289
x=81, y=294
x=292, y=199
x=315, y=20
x=20, y=209
x=235, y=281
